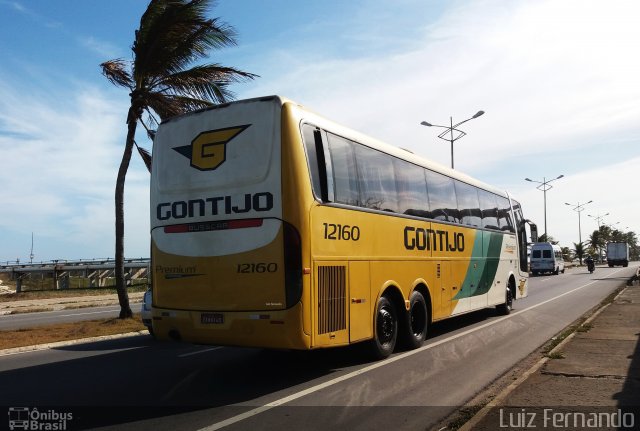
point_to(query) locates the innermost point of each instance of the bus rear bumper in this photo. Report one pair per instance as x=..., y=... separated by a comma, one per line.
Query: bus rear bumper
x=280, y=329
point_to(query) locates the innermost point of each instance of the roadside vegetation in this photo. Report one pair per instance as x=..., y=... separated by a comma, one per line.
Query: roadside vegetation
x=42, y=287
x=68, y=331
x=66, y=293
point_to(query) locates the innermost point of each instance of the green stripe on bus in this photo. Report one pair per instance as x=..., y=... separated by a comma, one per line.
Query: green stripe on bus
x=481, y=272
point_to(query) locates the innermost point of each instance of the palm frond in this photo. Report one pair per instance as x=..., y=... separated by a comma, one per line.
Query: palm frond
x=149, y=125
x=145, y=155
x=170, y=105
x=117, y=72
x=207, y=82
x=174, y=33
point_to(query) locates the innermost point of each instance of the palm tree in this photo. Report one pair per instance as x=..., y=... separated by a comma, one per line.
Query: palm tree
x=605, y=233
x=173, y=34
x=632, y=240
x=566, y=254
x=597, y=242
x=578, y=249
x=547, y=238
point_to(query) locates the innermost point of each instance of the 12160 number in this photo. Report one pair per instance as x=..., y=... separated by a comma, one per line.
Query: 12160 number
x=250, y=268
x=343, y=232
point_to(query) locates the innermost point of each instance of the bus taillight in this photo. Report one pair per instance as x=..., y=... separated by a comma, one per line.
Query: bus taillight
x=292, y=265
x=213, y=225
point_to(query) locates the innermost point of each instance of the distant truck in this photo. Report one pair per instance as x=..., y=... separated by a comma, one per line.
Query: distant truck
x=617, y=253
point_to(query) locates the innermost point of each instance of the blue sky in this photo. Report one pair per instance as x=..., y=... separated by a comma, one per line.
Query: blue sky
x=558, y=80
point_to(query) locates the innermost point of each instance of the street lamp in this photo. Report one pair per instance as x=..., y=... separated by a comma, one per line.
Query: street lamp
x=449, y=130
x=611, y=226
x=578, y=208
x=598, y=218
x=544, y=186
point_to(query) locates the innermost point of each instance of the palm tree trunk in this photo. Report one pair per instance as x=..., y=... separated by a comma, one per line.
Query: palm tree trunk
x=121, y=287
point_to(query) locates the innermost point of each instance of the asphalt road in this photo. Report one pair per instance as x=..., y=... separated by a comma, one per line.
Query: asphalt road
x=29, y=320
x=136, y=383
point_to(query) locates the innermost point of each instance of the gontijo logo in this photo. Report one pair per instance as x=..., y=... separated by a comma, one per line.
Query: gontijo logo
x=209, y=149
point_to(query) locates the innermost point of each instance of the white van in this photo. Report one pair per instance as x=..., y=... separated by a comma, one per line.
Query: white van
x=546, y=257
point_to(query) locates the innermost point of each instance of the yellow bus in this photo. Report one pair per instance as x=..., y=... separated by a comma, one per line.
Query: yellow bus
x=272, y=226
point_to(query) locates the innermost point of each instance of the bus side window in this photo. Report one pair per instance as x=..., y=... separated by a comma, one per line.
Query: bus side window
x=504, y=215
x=412, y=189
x=468, y=204
x=376, y=179
x=442, y=197
x=345, y=176
x=309, y=136
x=489, y=208
x=522, y=235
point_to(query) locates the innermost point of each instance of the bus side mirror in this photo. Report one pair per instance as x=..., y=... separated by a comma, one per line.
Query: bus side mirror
x=534, y=232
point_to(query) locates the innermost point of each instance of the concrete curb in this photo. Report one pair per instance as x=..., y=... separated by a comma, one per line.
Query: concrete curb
x=483, y=412
x=37, y=347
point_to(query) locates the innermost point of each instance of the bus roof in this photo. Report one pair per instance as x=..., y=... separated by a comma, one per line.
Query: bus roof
x=349, y=133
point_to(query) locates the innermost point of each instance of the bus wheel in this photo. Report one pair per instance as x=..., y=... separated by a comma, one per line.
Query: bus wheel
x=386, y=329
x=415, y=330
x=506, y=308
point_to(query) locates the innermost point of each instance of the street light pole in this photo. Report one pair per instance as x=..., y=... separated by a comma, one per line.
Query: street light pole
x=449, y=130
x=544, y=186
x=598, y=218
x=579, y=208
x=611, y=226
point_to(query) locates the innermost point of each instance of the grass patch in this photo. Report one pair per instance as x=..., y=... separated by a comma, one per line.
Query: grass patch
x=67, y=293
x=68, y=331
x=584, y=327
x=555, y=355
x=561, y=336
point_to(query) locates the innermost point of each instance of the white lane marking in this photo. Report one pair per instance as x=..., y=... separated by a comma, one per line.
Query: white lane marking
x=92, y=312
x=199, y=351
x=316, y=388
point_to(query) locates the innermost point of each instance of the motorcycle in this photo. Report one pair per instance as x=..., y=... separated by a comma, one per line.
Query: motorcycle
x=591, y=266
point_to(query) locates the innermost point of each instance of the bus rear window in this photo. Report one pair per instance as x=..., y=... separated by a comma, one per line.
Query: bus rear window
x=535, y=254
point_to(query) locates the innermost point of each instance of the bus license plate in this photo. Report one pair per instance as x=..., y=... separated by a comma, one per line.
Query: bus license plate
x=212, y=318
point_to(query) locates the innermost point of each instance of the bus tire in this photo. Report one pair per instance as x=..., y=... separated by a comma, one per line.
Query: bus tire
x=506, y=308
x=385, y=329
x=414, y=331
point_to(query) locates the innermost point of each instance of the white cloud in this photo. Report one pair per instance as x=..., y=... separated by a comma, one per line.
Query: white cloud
x=100, y=47
x=558, y=81
x=35, y=17
x=58, y=172
x=546, y=73
x=610, y=187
